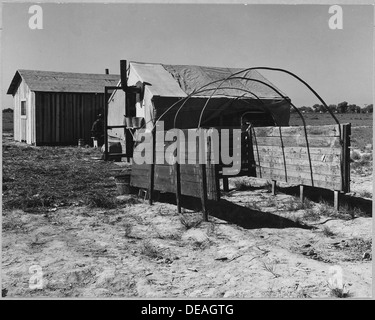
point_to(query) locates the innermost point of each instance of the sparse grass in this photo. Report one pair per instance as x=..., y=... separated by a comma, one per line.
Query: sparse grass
x=32, y=204
x=253, y=206
x=130, y=201
x=297, y=219
x=365, y=194
x=201, y=245
x=311, y=215
x=136, y=217
x=38, y=178
x=190, y=222
x=328, y=232
x=307, y=204
x=355, y=155
x=98, y=200
x=12, y=224
x=362, y=164
x=358, y=245
x=170, y=236
x=4, y=292
x=302, y=294
x=212, y=229
x=127, y=229
x=242, y=185
x=339, y=292
x=366, y=157
x=271, y=268
x=270, y=202
x=345, y=212
x=361, y=137
x=325, y=209
x=294, y=204
x=151, y=251
x=162, y=211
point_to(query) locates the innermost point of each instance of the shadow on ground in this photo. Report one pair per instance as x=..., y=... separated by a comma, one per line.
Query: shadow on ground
x=235, y=214
x=318, y=194
x=249, y=218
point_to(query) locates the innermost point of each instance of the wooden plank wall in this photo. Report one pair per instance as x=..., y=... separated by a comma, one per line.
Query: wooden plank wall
x=281, y=154
x=63, y=118
x=165, y=173
x=274, y=153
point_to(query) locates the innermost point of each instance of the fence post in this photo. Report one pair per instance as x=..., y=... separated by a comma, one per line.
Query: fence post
x=301, y=193
x=152, y=168
x=177, y=180
x=273, y=187
x=336, y=199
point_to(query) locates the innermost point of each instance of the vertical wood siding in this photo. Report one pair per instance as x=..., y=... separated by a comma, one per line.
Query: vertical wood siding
x=63, y=118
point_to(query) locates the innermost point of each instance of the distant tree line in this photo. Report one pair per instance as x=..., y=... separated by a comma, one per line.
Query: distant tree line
x=342, y=107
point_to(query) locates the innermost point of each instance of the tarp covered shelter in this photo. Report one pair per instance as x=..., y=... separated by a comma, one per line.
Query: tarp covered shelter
x=166, y=85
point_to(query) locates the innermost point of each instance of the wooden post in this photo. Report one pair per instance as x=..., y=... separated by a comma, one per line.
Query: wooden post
x=226, y=184
x=152, y=169
x=213, y=185
x=217, y=182
x=336, y=199
x=178, y=185
x=203, y=175
x=273, y=187
x=203, y=191
x=301, y=193
x=105, y=114
x=345, y=136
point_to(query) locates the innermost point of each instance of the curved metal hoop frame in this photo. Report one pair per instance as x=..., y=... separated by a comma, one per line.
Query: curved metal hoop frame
x=235, y=76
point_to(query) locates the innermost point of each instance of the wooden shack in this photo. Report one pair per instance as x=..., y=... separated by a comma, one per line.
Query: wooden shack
x=57, y=108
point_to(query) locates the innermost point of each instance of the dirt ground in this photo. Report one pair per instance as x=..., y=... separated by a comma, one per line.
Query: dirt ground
x=254, y=245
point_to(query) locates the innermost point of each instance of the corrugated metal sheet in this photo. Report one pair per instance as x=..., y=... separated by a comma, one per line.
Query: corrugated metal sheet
x=47, y=81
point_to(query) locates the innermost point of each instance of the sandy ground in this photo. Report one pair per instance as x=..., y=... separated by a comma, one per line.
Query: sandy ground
x=250, y=248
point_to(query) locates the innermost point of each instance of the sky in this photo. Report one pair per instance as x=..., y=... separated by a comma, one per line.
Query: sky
x=89, y=38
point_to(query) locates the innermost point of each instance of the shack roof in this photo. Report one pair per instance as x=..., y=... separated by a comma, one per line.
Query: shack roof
x=50, y=81
x=182, y=80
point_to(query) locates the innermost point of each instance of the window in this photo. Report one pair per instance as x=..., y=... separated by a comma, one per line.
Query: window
x=23, y=108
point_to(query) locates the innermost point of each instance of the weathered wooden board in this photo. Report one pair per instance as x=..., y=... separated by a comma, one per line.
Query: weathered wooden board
x=298, y=141
x=326, y=131
x=190, y=175
x=279, y=175
x=296, y=151
x=323, y=168
x=283, y=154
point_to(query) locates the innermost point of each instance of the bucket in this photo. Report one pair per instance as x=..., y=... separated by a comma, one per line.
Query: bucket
x=137, y=122
x=123, y=184
x=81, y=142
x=128, y=122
